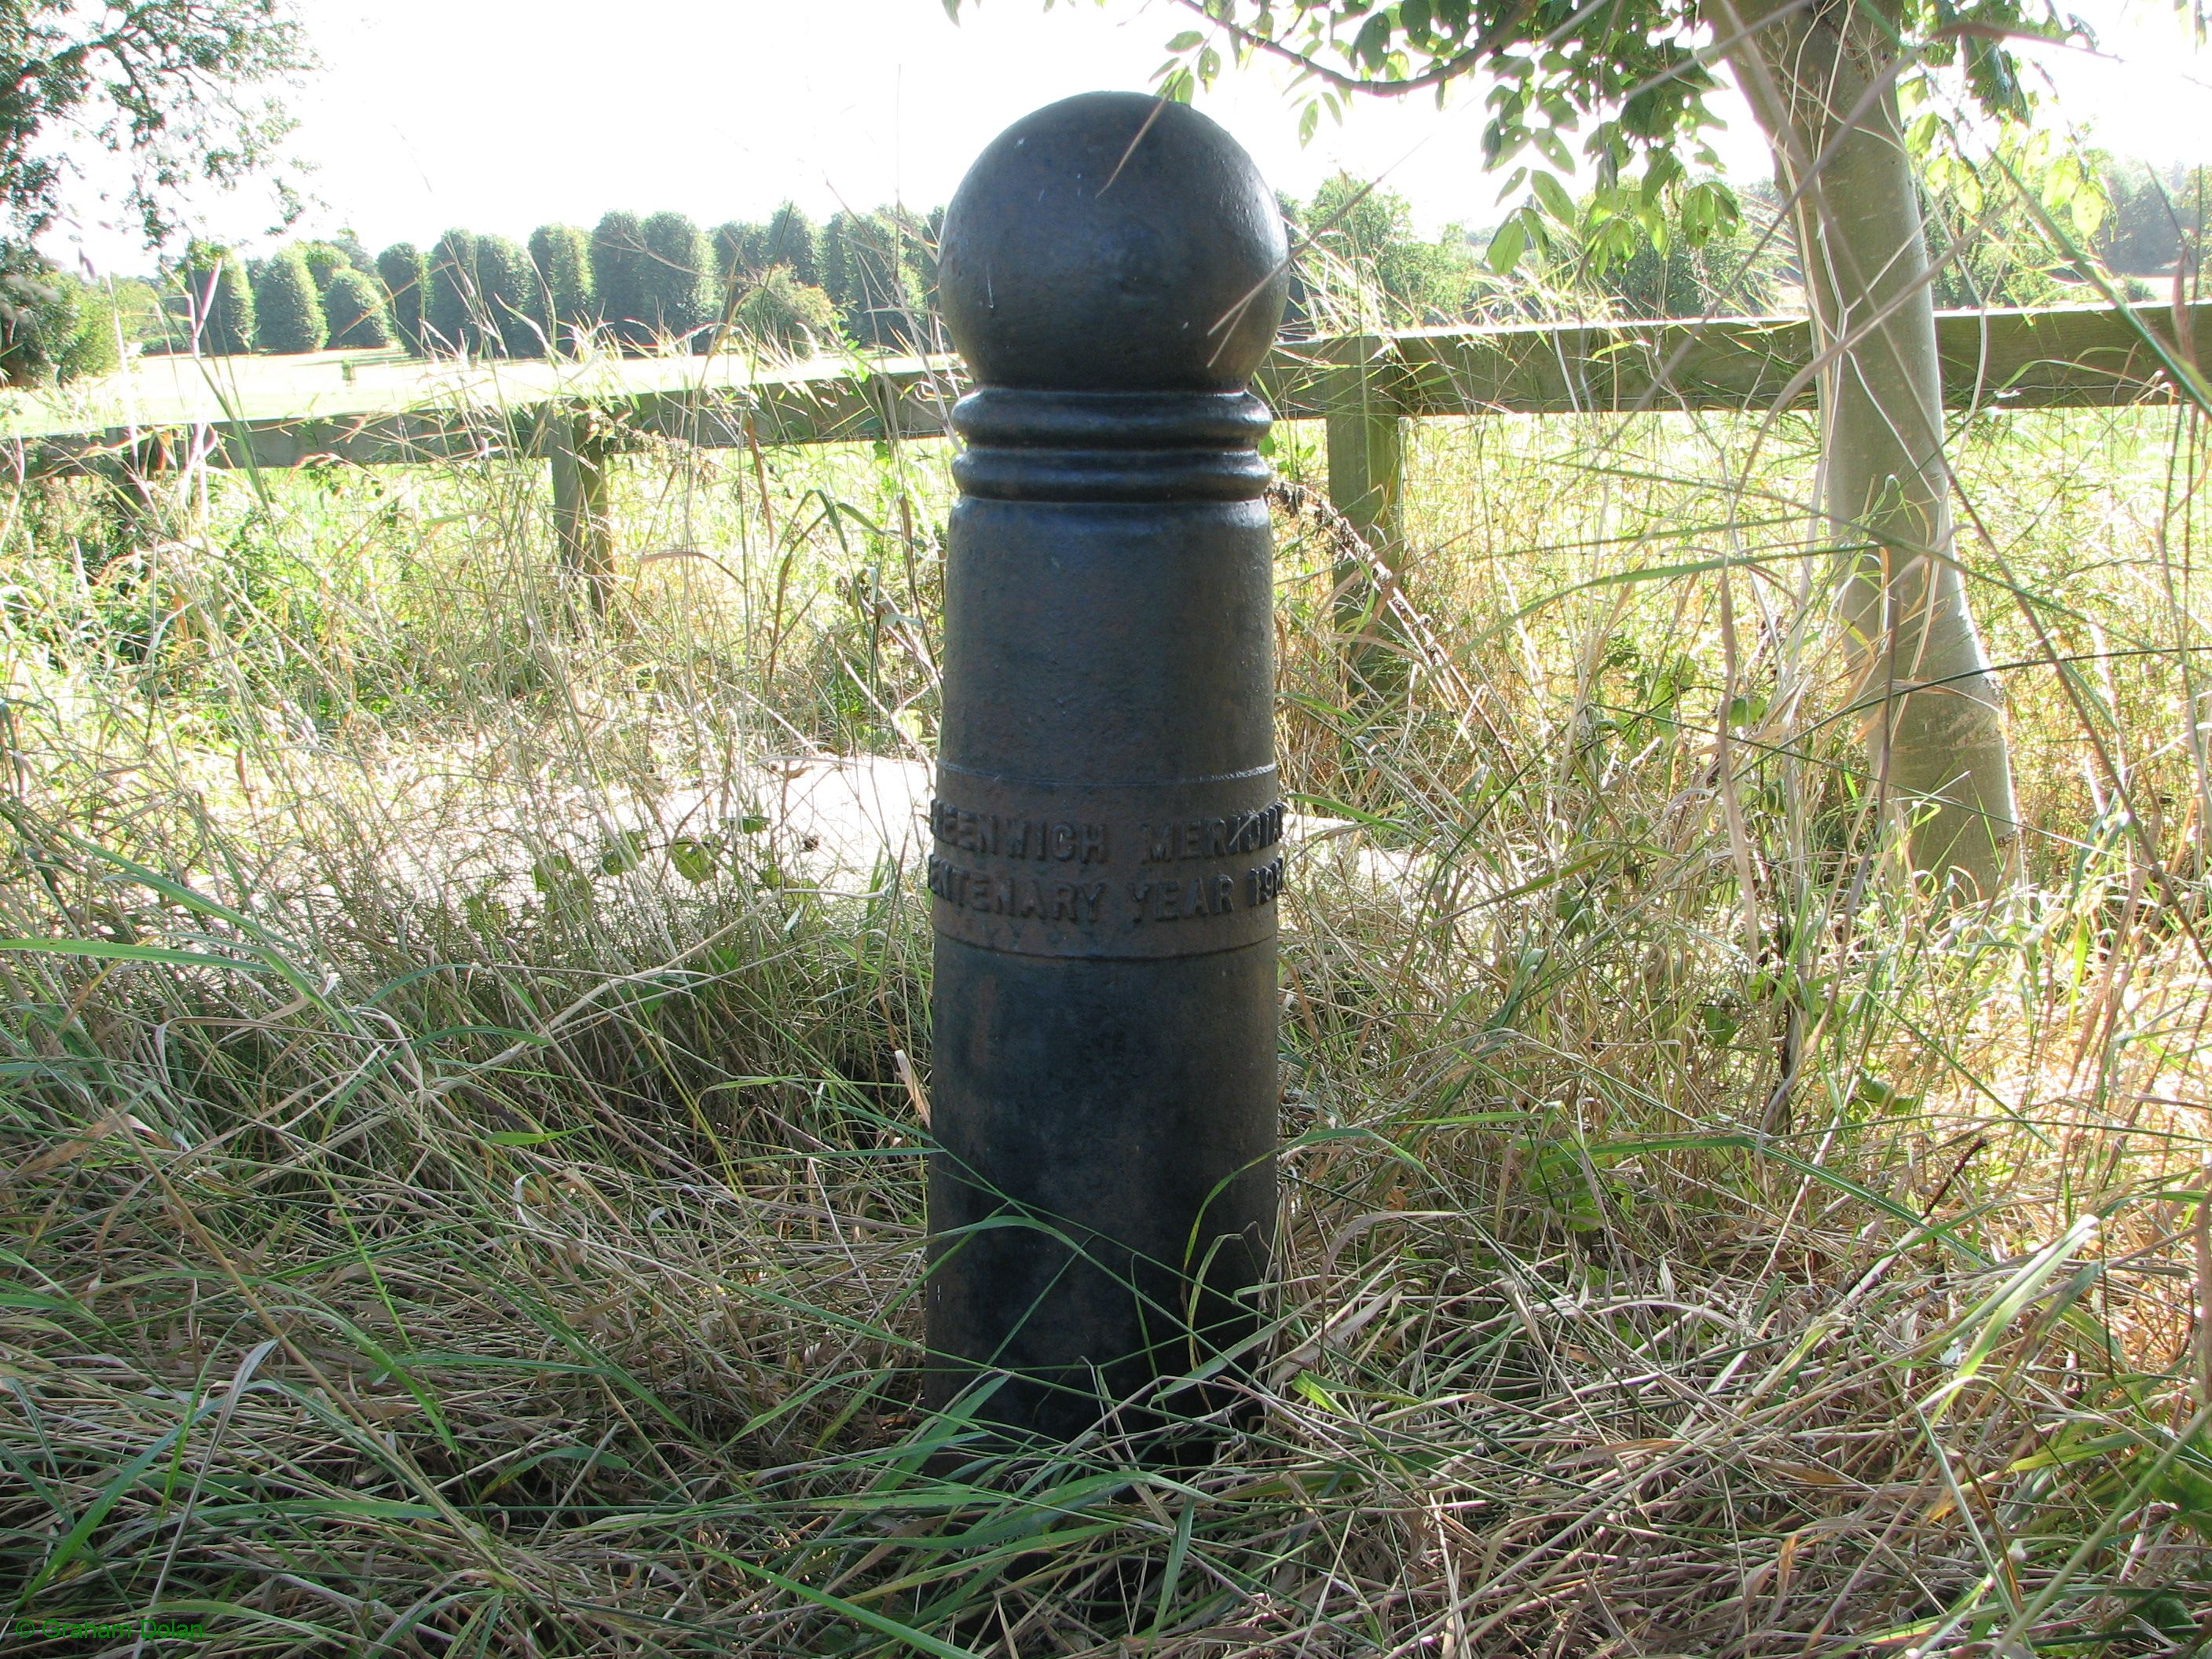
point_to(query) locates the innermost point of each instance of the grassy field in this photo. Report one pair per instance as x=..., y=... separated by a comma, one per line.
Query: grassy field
x=463, y=1199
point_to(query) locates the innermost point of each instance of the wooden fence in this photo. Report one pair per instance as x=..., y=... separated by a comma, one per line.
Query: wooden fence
x=1365, y=386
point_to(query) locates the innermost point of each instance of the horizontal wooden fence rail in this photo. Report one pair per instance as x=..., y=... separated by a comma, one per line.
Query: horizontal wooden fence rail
x=1365, y=387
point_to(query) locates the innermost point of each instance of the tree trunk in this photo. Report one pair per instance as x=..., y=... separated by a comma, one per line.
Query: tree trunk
x=1821, y=85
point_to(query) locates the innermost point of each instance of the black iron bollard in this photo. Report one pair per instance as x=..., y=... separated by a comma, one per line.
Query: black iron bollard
x=1105, y=860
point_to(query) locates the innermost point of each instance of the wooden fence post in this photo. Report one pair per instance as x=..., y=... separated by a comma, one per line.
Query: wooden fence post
x=131, y=484
x=1367, y=427
x=583, y=528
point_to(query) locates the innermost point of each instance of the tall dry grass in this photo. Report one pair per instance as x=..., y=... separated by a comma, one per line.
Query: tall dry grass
x=463, y=1197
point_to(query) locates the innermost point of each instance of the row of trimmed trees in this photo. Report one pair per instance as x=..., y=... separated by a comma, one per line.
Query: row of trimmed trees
x=635, y=284
x=301, y=298
x=638, y=284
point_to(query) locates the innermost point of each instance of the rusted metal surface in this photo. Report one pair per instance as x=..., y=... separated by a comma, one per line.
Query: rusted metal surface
x=1105, y=860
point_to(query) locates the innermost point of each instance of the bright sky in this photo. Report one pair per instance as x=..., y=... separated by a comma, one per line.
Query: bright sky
x=503, y=114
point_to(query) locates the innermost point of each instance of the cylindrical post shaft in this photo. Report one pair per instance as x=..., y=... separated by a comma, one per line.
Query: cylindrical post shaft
x=1105, y=857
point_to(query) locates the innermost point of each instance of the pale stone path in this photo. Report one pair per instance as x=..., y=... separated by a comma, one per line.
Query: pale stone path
x=838, y=825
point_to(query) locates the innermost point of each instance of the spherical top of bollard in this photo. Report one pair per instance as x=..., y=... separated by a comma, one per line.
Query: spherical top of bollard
x=1114, y=242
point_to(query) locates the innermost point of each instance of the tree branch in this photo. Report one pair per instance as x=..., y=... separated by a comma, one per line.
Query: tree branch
x=1435, y=75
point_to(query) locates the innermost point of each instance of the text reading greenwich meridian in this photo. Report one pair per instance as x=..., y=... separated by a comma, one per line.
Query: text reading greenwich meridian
x=1212, y=838
x=1040, y=839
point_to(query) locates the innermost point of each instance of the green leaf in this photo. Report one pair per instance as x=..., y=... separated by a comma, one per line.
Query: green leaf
x=2189, y=1489
x=853, y=1611
x=1996, y=1312
x=1507, y=246
x=115, y=951
x=1177, y=1553
x=485, y=912
x=695, y=861
x=1553, y=195
x=67, y=1548
x=1186, y=40
x=563, y=881
x=525, y=1137
x=553, y=873
x=1872, y=1092
x=624, y=852
x=1371, y=45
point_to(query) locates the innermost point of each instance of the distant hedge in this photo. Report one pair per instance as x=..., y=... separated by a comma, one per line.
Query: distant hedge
x=325, y=260
x=680, y=289
x=218, y=302
x=354, y=306
x=506, y=288
x=641, y=282
x=405, y=275
x=562, y=256
x=452, y=316
x=288, y=309
x=617, y=271
x=793, y=242
x=739, y=247
x=870, y=268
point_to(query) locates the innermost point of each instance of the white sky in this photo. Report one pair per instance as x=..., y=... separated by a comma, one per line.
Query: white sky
x=504, y=114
